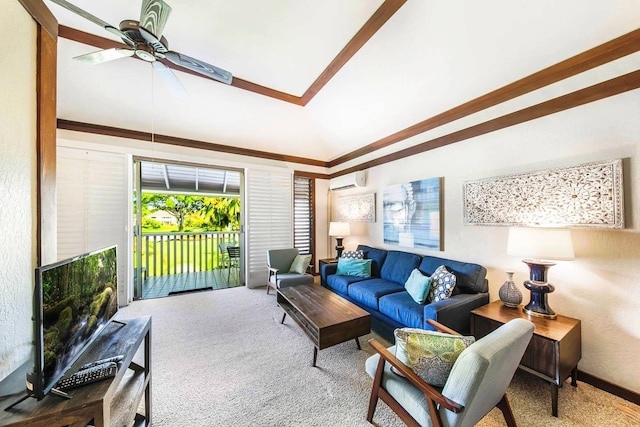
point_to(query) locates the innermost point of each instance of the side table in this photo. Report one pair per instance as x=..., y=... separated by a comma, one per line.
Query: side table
x=324, y=261
x=554, y=350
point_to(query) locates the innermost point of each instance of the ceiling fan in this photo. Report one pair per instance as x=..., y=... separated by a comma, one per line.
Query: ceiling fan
x=145, y=40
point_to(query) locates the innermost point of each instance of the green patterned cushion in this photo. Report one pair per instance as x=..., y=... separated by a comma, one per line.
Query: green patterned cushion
x=430, y=354
x=417, y=285
x=300, y=264
x=442, y=284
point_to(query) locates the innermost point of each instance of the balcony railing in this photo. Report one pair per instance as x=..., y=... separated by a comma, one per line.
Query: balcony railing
x=176, y=253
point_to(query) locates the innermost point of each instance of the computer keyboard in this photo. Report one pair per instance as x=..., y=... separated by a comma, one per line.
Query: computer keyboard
x=89, y=375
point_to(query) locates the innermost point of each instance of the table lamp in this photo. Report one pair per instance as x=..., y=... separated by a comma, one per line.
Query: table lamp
x=339, y=230
x=540, y=246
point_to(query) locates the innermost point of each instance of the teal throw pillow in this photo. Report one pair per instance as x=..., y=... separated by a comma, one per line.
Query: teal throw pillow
x=442, y=284
x=354, y=267
x=300, y=264
x=418, y=286
x=430, y=354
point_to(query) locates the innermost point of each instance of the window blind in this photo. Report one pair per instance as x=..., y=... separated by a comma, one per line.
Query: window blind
x=303, y=215
x=269, y=210
x=92, y=199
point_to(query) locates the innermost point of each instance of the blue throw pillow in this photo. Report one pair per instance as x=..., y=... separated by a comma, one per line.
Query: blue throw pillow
x=418, y=285
x=354, y=267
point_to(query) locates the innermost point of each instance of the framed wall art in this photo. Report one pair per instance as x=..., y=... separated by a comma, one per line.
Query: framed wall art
x=361, y=208
x=413, y=214
x=587, y=195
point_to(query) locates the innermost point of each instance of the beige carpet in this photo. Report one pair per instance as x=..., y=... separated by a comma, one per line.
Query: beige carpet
x=222, y=358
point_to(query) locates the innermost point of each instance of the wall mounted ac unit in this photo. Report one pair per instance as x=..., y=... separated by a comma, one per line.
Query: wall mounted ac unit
x=351, y=180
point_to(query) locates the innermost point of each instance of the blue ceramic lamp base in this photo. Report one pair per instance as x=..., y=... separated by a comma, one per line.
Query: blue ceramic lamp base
x=539, y=289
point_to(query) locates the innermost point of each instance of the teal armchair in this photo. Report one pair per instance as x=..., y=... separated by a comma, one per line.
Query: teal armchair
x=477, y=383
x=279, y=263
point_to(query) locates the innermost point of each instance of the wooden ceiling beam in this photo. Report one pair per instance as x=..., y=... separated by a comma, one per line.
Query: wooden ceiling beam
x=607, y=52
x=182, y=142
x=377, y=20
x=616, y=86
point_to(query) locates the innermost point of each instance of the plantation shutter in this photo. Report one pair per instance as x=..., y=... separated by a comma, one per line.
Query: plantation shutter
x=92, y=197
x=269, y=219
x=303, y=215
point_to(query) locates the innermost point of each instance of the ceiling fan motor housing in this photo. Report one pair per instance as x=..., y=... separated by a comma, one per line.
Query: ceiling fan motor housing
x=145, y=49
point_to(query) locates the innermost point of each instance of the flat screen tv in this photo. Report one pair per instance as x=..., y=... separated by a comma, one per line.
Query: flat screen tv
x=74, y=300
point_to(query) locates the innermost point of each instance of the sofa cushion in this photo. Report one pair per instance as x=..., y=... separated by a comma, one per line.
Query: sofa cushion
x=418, y=286
x=369, y=291
x=401, y=307
x=398, y=265
x=470, y=278
x=293, y=279
x=341, y=284
x=430, y=354
x=354, y=267
x=376, y=255
x=442, y=284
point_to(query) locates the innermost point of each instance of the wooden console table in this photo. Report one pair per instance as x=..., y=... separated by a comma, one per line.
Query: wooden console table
x=553, y=352
x=110, y=402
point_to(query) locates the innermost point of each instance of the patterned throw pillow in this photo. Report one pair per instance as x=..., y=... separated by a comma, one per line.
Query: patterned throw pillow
x=418, y=285
x=352, y=254
x=300, y=264
x=442, y=284
x=430, y=354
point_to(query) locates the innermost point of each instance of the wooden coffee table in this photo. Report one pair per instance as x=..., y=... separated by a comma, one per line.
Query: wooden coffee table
x=326, y=318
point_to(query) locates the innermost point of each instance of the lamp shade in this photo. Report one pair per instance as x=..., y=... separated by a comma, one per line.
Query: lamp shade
x=339, y=229
x=540, y=243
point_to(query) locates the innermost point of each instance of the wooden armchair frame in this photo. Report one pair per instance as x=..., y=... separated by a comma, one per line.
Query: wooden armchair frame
x=432, y=396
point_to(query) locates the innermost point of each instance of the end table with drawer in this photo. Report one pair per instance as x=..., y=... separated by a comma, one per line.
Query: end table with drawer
x=554, y=350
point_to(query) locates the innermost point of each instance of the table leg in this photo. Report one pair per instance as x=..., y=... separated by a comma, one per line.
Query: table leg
x=358, y=344
x=283, y=316
x=315, y=356
x=554, y=400
x=574, y=377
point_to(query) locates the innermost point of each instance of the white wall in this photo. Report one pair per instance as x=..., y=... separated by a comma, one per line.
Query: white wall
x=602, y=286
x=17, y=184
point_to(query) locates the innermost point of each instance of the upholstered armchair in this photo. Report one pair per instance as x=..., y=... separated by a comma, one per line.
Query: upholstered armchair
x=476, y=384
x=287, y=268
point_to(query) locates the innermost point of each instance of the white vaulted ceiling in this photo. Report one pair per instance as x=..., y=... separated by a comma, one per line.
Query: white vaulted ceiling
x=429, y=57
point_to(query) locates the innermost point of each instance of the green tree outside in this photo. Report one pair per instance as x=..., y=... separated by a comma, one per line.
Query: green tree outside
x=193, y=213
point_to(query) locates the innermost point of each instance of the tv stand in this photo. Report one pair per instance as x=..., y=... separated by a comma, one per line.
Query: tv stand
x=113, y=401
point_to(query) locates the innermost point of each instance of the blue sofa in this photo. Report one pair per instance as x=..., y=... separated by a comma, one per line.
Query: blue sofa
x=384, y=296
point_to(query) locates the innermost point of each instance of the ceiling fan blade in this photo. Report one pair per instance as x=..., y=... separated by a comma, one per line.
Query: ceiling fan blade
x=153, y=16
x=95, y=20
x=170, y=79
x=104, y=55
x=199, y=67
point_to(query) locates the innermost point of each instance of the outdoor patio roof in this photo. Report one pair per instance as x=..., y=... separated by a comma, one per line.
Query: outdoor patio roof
x=174, y=178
